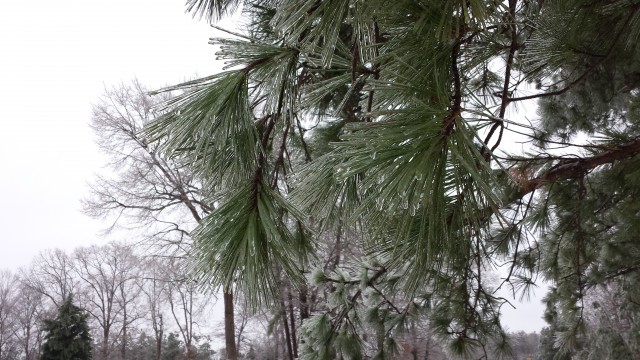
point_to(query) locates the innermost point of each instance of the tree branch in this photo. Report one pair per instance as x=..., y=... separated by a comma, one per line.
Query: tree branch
x=571, y=168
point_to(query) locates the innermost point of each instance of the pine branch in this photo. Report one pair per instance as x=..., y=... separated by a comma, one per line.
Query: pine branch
x=572, y=168
x=352, y=302
x=586, y=73
x=307, y=154
x=456, y=108
x=507, y=80
x=567, y=168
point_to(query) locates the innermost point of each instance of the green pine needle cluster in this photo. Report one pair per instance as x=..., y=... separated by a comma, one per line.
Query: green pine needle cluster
x=67, y=336
x=397, y=122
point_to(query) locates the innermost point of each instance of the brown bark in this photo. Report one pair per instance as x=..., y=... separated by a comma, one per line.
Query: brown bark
x=287, y=334
x=292, y=321
x=229, y=329
x=575, y=167
x=304, y=304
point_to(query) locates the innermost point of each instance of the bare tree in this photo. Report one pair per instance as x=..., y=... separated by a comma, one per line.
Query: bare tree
x=97, y=272
x=186, y=304
x=51, y=275
x=107, y=273
x=29, y=313
x=130, y=286
x=147, y=189
x=154, y=289
x=8, y=297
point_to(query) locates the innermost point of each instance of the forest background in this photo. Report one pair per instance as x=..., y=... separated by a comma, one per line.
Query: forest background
x=621, y=6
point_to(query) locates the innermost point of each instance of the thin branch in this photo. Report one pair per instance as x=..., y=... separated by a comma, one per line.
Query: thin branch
x=507, y=80
x=624, y=29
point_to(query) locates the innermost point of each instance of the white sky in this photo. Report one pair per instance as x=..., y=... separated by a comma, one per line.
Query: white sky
x=56, y=58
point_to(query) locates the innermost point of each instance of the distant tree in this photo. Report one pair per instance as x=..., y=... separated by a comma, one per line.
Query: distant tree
x=108, y=275
x=68, y=336
x=8, y=303
x=612, y=323
x=549, y=348
x=251, y=354
x=173, y=347
x=147, y=189
x=204, y=350
x=51, y=274
x=29, y=312
x=186, y=304
x=524, y=344
x=144, y=190
x=154, y=291
x=130, y=286
x=143, y=348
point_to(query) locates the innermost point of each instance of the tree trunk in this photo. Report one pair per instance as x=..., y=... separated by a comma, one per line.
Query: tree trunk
x=27, y=350
x=123, y=348
x=159, y=330
x=292, y=321
x=304, y=305
x=229, y=330
x=337, y=249
x=159, y=346
x=287, y=334
x=105, y=344
x=277, y=346
x=191, y=352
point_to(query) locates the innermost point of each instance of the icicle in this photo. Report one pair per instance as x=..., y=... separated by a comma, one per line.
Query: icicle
x=404, y=200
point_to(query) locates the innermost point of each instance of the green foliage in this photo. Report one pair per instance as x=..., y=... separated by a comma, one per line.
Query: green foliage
x=67, y=336
x=391, y=121
x=173, y=348
x=217, y=107
x=243, y=237
x=211, y=9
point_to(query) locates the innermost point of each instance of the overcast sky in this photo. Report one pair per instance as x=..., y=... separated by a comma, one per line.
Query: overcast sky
x=56, y=58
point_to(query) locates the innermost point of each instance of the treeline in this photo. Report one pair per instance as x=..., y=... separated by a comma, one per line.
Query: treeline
x=139, y=307
x=146, y=307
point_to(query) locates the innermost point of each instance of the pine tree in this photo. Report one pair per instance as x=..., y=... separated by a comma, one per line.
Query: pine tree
x=67, y=336
x=420, y=102
x=173, y=347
